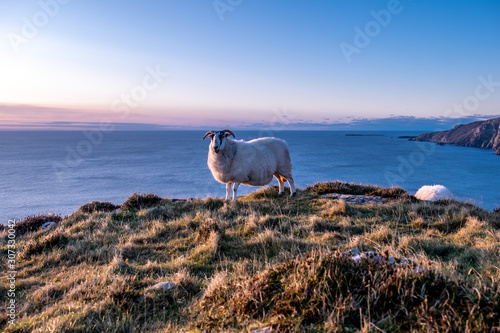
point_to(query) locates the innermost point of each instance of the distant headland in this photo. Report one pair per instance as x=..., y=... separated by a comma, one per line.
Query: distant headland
x=481, y=134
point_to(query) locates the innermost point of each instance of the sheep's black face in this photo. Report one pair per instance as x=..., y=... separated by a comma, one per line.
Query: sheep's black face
x=218, y=141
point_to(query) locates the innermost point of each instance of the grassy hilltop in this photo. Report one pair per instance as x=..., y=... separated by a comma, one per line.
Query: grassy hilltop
x=267, y=261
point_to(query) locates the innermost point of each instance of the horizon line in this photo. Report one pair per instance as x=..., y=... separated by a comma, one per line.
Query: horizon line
x=395, y=123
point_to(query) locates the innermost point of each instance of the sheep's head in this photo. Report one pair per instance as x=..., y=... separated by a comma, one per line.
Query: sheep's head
x=218, y=139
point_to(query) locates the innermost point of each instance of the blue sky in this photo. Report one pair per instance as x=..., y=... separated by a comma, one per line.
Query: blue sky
x=239, y=63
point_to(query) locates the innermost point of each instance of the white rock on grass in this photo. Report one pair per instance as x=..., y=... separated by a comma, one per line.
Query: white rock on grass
x=358, y=199
x=164, y=285
x=48, y=225
x=356, y=256
x=433, y=193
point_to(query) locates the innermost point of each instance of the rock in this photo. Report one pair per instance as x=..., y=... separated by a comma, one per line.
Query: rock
x=352, y=252
x=481, y=134
x=356, y=256
x=163, y=285
x=48, y=225
x=433, y=193
x=358, y=199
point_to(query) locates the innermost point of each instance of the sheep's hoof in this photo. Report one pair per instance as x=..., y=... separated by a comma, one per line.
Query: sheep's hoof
x=293, y=194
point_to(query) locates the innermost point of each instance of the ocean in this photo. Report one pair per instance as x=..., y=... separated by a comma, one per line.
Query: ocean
x=57, y=172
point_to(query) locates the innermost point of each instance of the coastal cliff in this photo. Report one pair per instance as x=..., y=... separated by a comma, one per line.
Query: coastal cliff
x=482, y=134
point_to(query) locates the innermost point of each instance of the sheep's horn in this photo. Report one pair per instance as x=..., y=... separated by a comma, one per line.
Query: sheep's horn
x=228, y=131
x=208, y=133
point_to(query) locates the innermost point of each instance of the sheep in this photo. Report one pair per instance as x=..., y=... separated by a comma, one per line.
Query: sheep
x=254, y=163
x=433, y=193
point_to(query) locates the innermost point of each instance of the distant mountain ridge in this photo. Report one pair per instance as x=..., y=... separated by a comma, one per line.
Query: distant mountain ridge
x=482, y=134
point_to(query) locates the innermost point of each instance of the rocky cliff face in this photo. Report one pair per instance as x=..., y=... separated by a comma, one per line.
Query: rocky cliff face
x=483, y=134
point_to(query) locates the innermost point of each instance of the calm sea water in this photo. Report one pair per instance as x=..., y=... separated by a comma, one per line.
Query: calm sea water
x=57, y=172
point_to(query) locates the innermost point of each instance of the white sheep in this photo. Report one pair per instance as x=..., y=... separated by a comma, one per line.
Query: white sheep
x=251, y=163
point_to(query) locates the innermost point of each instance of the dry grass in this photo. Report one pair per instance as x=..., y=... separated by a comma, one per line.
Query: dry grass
x=33, y=223
x=141, y=201
x=324, y=291
x=267, y=260
x=97, y=206
x=337, y=208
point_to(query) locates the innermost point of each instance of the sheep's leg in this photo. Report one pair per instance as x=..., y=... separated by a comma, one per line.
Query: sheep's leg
x=292, y=186
x=235, y=189
x=228, y=191
x=281, y=183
